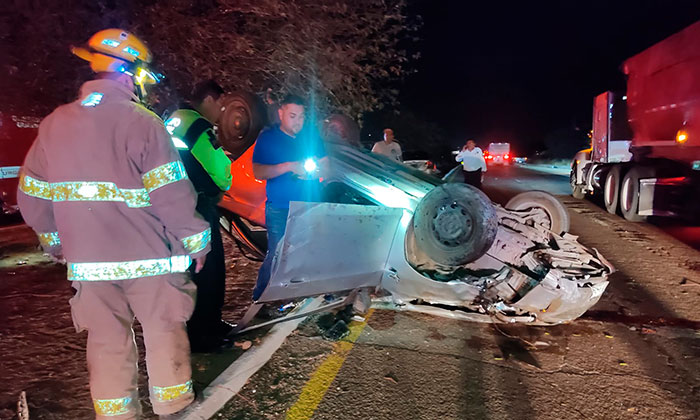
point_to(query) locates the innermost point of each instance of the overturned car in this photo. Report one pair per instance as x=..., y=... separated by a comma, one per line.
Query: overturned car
x=420, y=242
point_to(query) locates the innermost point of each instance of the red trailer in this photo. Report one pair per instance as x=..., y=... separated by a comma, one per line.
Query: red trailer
x=645, y=154
x=16, y=136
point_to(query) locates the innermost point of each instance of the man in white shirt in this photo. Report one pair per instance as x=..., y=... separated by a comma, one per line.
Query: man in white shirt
x=473, y=163
x=388, y=147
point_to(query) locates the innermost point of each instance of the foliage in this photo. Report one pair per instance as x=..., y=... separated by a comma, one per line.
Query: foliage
x=565, y=142
x=349, y=53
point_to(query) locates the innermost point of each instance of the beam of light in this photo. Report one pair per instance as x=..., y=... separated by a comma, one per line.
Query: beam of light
x=310, y=165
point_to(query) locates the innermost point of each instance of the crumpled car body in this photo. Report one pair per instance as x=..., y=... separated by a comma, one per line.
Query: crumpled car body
x=404, y=234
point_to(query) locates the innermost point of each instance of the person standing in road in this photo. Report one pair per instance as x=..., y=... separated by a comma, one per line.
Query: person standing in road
x=473, y=164
x=105, y=189
x=292, y=164
x=388, y=147
x=209, y=169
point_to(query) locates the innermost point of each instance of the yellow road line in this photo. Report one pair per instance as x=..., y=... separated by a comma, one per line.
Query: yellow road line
x=321, y=379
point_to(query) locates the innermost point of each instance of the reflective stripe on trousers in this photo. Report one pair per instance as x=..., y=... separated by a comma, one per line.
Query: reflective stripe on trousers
x=107, y=309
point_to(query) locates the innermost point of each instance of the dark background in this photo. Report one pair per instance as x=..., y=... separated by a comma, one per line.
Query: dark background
x=524, y=72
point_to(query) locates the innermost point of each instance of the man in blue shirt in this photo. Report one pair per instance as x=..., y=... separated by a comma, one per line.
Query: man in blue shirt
x=292, y=163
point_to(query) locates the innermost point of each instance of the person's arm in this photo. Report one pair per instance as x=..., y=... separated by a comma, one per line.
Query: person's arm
x=400, y=152
x=34, y=199
x=263, y=172
x=375, y=148
x=460, y=156
x=173, y=198
x=483, y=161
x=269, y=162
x=213, y=159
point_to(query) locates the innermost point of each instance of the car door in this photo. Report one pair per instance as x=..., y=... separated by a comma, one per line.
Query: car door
x=330, y=248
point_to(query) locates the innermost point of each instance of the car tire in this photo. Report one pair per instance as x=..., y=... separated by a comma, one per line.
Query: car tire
x=339, y=128
x=557, y=213
x=576, y=190
x=629, y=192
x=611, y=189
x=454, y=224
x=240, y=123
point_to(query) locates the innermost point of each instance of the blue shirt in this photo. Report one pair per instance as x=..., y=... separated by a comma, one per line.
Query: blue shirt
x=274, y=147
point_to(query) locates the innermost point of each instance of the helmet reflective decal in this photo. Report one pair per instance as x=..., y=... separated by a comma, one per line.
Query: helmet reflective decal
x=171, y=124
x=92, y=99
x=111, y=43
x=179, y=144
x=131, y=51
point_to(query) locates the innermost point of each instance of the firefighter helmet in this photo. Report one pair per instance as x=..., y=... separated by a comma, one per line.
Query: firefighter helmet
x=116, y=50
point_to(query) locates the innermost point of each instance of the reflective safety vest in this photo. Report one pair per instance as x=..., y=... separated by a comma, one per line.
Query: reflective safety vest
x=205, y=161
x=103, y=186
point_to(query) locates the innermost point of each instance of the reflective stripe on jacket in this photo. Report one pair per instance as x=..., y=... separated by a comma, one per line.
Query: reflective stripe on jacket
x=104, y=186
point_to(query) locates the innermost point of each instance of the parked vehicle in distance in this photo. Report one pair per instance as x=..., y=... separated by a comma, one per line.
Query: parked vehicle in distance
x=420, y=160
x=17, y=133
x=498, y=154
x=422, y=165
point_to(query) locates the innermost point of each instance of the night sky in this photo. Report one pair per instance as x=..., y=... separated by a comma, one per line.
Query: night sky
x=519, y=70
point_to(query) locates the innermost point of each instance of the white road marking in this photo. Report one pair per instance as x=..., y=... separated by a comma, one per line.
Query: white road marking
x=231, y=380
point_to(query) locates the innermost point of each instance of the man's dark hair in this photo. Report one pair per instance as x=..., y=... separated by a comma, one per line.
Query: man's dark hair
x=293, y=99
x=204, y=89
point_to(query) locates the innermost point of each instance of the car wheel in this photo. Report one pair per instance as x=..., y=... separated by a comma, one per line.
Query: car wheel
x=611, y=189
x=454, y=224
x=343, y=129
x=558, y=216
x=243, y=118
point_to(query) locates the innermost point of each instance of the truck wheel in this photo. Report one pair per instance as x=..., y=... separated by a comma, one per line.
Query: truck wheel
x=629, y=192
x=243, y=118
x=557, y=214
x=576, y=190
x=454, y=224
x=611, y=189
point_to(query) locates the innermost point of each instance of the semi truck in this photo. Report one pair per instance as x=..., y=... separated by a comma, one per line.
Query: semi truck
x=644, y=157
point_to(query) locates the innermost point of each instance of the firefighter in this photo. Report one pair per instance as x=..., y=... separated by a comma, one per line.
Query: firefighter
x=105, y=190
x=209, y=169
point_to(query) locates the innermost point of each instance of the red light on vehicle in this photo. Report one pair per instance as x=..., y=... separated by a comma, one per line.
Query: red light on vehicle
x=489, y=157
x=506, y=156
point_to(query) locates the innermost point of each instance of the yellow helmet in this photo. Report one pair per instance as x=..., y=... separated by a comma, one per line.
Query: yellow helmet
x=116, y=50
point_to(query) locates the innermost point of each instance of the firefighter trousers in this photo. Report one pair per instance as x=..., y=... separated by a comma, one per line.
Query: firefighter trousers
x=106, y=309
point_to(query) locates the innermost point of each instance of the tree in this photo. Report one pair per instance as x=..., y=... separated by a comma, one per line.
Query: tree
x=563, y=143
x=347, y=55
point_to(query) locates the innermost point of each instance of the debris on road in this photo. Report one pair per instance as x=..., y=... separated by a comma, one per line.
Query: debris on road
x=244, y=345
x=390, y=377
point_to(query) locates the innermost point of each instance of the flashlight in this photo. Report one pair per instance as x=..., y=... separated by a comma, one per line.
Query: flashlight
x=310, y=165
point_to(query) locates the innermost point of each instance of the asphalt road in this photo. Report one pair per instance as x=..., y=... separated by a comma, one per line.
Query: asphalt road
x=636, y=354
